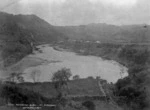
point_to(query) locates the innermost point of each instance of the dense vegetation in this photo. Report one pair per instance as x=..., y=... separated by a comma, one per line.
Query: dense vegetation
x=30, y=93
x=19, y=34
x=15, y=42
x=132, y=90
x=17, y=95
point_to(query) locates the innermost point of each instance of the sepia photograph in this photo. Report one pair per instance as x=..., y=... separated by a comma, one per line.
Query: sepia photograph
x=74, y=54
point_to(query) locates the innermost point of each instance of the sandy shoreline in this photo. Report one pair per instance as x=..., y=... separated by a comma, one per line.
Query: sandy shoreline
x=27, y=62
x=49, y=61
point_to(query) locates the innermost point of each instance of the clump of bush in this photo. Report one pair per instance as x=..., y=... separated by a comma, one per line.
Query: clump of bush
x=16, y=95
x=89, y=104
x=131, y=90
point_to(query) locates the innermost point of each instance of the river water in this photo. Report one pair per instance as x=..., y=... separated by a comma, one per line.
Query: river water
x=83, y=66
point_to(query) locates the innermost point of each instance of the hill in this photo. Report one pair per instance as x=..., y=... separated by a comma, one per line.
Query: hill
x=108, y=33
x=19, y=33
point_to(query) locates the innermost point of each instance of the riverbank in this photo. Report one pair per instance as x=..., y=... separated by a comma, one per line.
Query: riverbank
x=48, y=59
x=106, y=51
x=136, y=58
x=28, y=61
x=122, y=54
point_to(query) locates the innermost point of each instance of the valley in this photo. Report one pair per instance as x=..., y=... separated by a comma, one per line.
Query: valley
x=32, y=51
x=84, y=66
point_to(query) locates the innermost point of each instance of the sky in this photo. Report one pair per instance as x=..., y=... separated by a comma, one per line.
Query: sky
x=80, y=12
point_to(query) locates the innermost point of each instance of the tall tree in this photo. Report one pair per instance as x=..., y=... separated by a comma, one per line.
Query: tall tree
x=60, y=79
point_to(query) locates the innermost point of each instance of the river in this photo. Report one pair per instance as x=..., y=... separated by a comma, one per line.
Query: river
x=84, y=66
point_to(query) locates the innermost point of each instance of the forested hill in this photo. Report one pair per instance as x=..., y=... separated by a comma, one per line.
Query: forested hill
x=108, y=33
x=18, y=33
x=36, y=27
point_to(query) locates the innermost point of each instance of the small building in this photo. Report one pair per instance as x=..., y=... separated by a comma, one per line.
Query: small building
x=87, y=41
x=98, y=42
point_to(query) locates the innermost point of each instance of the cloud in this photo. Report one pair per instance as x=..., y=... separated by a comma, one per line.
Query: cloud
x=24, y=2
x=126, y=3
x=7, y=3
x=76, y=12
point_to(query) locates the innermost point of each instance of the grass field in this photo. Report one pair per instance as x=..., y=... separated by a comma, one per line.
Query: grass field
x=80, y=87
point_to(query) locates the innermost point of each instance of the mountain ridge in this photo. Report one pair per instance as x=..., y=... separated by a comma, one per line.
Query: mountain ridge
x=108, y=33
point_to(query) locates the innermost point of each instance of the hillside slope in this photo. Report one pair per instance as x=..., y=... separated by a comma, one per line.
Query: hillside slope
x=19, y=33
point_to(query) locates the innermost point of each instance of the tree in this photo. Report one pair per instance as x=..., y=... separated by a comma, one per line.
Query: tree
x=35, y=75
x=121, y=72
x=132, y=90
x=16, y=77
x=89, y=105
x=76, y=77
x=90, y=77
x=11, y=77
x=61, y=78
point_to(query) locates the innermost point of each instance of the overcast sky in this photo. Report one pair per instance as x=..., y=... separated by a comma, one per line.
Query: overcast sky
x=77, y=12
